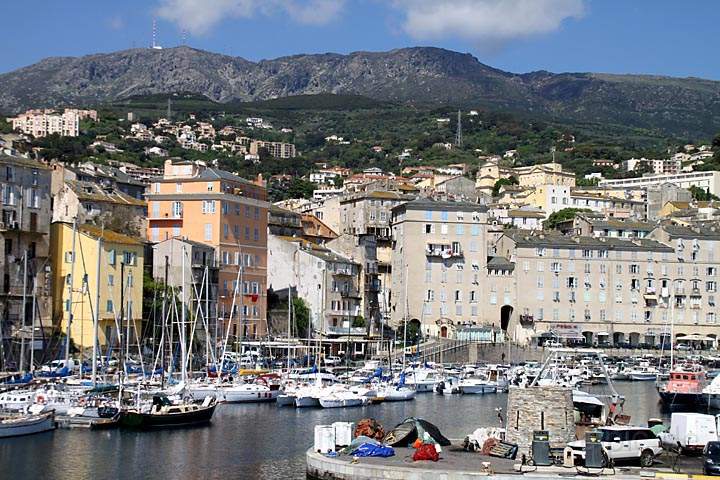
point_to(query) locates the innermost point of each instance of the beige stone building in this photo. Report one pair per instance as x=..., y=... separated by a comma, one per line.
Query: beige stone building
x=611, y=290
x=545, y=174
x=438, y=264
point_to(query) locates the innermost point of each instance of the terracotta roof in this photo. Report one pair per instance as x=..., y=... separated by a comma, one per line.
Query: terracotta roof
x=108, y=235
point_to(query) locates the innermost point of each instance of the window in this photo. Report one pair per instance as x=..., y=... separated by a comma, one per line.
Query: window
x=493, y=298
x=178, y=187
x=430, y=296
x=458, y=296
x=111, y=257
x=473, y=296
x=475, y=230
x=209, y=186
x=634, y=268
x=68, y=257
x=208, y=206
x=459, y=229
x=111, y=280
x=540, y=266
x=443, y=228
x=429, y=228
x=587, y=253
x=156, y=187
x=572, y=282
x=226, y=230
x=540, y=251
x=618, y=269
x=540, y=295
x=428, y=214
x=256, y=234
x=208, y=231
x=109, y=306
x=444, y=216
x=129, y=258
x=540, y=282
x=711, y=271
x=711, y=286
x=588, y=268
x=588, y=316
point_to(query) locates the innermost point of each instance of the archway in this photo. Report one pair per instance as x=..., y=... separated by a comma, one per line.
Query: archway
x=634, y=339
x=618, y=338
x=588, y=336
x=505, y=314
x=444, y=331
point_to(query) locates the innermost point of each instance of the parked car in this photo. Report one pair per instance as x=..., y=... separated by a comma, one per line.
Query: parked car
x=711, y=458
x=625, y=443
x=683, y=347
x=552, y=344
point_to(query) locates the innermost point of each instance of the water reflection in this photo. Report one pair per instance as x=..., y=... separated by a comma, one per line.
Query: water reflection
x=250, y=441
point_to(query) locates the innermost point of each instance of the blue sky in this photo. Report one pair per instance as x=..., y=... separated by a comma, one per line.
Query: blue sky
x=668, y=37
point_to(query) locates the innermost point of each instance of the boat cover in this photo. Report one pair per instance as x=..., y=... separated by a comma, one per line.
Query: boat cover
x=411, y=429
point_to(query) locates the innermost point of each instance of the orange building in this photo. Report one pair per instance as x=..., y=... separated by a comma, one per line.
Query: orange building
x=215, y=207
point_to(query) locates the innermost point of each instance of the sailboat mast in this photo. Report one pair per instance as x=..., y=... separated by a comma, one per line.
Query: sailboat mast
x=96, y=317
x=32, y=332
x=406, y=317
x=289, y=325
x=70, y=293
x=24, y=312
x=163, y=326
x=207, y=315
x=183, y=333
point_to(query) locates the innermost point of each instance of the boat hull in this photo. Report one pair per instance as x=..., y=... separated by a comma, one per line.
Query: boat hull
x=643, y=377
x=138, y=420
x=672, y=399
x=307, y=402
x=33, y=424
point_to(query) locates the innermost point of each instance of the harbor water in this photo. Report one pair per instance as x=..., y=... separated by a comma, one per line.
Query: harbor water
x=250, y=441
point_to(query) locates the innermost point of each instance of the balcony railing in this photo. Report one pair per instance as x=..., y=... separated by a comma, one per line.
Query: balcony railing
x=353, y=331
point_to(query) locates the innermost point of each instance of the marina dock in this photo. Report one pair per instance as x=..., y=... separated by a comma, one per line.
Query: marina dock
x=458, y=464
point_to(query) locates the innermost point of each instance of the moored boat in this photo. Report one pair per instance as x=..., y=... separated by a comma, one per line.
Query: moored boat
x=26, y=424
x=684, y=388
x=165, y=414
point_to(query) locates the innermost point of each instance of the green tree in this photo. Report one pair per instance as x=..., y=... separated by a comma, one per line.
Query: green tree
x=702, y=195
x=358, y=321
x=301, y=317
x=300, y=188
x=502, y=182
x=560, y=216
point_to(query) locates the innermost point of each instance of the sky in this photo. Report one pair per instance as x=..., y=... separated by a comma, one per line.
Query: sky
x=664, y=37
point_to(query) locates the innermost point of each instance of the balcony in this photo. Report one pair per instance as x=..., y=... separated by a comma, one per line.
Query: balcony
x=443, y=250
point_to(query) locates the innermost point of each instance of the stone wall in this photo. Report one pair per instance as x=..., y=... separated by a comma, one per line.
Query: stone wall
x=540, y=408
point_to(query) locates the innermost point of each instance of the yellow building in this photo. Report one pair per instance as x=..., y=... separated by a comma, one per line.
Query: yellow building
x=118, y=253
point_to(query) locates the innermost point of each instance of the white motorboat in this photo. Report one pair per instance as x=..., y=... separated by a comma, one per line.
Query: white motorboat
x=341, y=399
x=642, y=373
x=308, y=397
x=477, y=385
x=26, y=424
x=393, y=393
x=16, y=400
x=711, y=393
x=448, y=386
x=422, y=380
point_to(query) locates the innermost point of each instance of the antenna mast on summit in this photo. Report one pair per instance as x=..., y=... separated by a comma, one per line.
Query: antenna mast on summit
x=155, y=45
x=458, y=134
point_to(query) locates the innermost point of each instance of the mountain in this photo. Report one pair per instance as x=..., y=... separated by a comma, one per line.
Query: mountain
x=681, y=106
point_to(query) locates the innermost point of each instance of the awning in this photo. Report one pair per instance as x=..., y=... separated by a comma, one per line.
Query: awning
x=650, y=296
x=695, y=338
x=602, y=334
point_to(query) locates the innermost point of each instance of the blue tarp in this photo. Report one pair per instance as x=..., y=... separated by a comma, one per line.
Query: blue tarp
x=372, y=450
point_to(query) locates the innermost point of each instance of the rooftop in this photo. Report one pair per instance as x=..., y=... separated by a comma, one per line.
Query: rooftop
x=430, y=204
x=108, y=235
x=524, y=239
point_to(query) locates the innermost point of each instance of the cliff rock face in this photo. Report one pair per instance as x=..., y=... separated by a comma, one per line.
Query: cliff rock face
x=415, y=75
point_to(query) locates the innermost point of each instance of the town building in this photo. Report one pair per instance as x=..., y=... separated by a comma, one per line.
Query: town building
x=544, y=174
x=707, y=180
x=439, y=255
x=215, y=207
x=25, y=239
x=80, y=291
x=198, y=283
x=41, y=123
x=610, y=290
x=657, y=196
x=328, y=282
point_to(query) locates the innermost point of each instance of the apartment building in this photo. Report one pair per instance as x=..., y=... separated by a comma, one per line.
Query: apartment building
x=274, y=149
x=709, y=181
x=215, y=207
x=329, y=283
x=41, y=123
x=438, y=262
x=610, y=206
x=200, y=279
x=24, y=237
x=76, y=283
x=611, y=290
x=544, y=174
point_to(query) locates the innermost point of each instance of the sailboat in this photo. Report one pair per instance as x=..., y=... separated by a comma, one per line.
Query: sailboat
x=164, y=413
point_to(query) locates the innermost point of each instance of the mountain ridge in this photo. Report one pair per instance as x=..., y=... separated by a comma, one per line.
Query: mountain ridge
x=686, y=106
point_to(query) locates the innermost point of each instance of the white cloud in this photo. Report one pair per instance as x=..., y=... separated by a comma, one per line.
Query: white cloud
x=493, y=21
x=199, y=16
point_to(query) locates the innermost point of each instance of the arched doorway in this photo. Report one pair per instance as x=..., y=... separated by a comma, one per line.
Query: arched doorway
x=505, y=314
x=618, y=338
x=588, y=336
x=444, y=331
x=634, y=339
